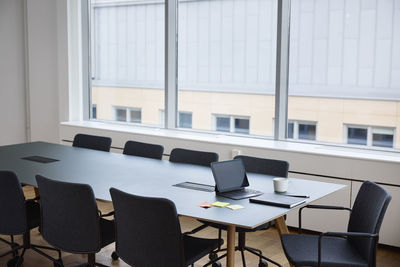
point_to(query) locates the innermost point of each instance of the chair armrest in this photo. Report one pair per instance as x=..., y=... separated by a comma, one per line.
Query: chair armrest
x=343, y=234
x=195, y=230
x=326, y=207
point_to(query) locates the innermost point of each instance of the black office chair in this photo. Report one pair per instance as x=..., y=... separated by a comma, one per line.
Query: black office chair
x=71, y=221
x=146, y=150
x=149, y=233
x=272, y=167
x=356, y=247
x=94, y=142
x=201, y=158
x=19, y=217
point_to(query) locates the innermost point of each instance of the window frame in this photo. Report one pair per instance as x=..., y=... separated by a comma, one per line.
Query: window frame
x=370, y=129
x=171, y=65
x=171, y=113
x=127, y=114
x=296, y=129
x=231, y=123
x=181, y=113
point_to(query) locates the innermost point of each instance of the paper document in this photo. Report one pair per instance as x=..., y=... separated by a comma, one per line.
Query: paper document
x=235, y=207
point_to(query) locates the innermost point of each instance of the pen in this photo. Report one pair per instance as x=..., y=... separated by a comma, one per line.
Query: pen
x=297, y=196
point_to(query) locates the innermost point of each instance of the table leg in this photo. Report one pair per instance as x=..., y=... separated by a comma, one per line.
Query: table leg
x=230, y=258
x=281, y=226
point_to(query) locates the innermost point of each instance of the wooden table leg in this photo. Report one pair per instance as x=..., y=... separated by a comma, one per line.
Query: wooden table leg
x=281, y=226
x=230, y=258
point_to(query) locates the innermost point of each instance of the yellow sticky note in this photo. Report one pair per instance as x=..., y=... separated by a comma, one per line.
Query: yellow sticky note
x=220, y=204
x=235, y=207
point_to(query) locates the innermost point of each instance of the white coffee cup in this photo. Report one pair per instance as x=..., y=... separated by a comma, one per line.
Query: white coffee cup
x=280, y=184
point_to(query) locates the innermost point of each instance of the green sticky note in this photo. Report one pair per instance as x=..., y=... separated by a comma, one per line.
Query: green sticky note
x=220, y=204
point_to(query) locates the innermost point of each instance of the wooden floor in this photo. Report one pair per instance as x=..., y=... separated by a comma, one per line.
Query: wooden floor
x=268, y=241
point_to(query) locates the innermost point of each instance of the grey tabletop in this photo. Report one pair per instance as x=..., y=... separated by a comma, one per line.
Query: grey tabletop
x=150, y=177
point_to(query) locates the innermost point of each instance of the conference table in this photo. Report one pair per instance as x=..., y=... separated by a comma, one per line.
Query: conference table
x=155, y=178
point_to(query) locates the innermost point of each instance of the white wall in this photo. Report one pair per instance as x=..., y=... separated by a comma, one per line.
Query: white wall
x=33, y=113
x=43, y=69
x=12, y=73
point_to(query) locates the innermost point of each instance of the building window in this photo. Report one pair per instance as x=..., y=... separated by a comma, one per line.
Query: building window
x=161, y=117
x=185, y=120
x=128, y=114
x=369, y=136
x=232, y=124
x=94, y=111
x=382, y=137
x=357, y=136
x=302, y=130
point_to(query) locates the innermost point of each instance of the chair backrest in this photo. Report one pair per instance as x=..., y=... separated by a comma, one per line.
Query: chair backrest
x=366, y=216
x=193, y=157
x=70, y=220
x=12, y=205
x=273, y=167
x=92, y=142
x=146, y=150
x=148, y=232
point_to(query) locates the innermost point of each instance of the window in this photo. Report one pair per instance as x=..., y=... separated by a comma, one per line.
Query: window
x=127, y=59
x=226, y=63
x=302, y=130
x=357, y=136
x=342, y=67
x=185, y=120
x=223, y=124
x=94, y=111
x=382, y=137
x=232, y=124
x=369, y=136
x=128, y=114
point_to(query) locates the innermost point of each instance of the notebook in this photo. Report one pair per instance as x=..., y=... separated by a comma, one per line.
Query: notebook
x=278, y=200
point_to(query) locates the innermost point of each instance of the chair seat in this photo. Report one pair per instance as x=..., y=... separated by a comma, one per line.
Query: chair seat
x=264, y=226
x=302, y=250
x=195, y=248
x=107, y=232
x=33, y=214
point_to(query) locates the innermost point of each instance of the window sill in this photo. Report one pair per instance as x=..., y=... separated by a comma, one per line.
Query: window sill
x=287, y=146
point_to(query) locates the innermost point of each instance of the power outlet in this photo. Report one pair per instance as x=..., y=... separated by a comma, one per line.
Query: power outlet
x=235, y=152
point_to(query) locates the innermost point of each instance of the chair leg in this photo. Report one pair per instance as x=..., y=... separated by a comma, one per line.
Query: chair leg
x=243, y=258
x=242, y=245
x=219, y=237
x=262, y=256
x=215, y=260
x=14, y=247
x=91, y=260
